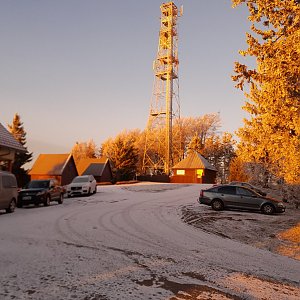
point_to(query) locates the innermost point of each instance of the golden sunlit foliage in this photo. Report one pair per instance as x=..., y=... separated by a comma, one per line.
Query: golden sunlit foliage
x=292, y=238
x=84, y=150
x=237, y=170
x=270, y=138
x=219, y=151
x=123, y=152
x=126, y=150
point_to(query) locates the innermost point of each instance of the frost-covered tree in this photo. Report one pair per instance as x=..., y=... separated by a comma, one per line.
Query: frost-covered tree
x=270, y=138
x=219, y=151
x=123, y=152
x=84, y=150
x=198, y=129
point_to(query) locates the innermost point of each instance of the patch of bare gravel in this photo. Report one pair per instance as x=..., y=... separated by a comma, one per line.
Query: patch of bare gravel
x=279, y=233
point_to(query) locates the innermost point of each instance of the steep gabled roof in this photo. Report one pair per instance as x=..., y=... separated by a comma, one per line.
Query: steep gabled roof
x=50, y=164
x=91, y=166
x=194, y=160
x=7, y=140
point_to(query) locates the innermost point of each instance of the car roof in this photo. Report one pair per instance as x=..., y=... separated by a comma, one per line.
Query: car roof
x=237, y=186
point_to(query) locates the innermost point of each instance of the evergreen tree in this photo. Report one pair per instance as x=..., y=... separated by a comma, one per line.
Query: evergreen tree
x=123, y=152
x=270, y=139
x=21, y=158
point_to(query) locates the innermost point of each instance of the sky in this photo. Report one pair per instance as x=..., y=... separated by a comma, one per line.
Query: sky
x=78, y=70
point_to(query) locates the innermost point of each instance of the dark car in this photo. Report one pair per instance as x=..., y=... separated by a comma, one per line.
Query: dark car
x=40, y=191
x=249, y=186
x=231, y=196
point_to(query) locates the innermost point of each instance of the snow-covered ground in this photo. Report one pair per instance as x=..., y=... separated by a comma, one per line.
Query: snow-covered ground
x=129, y=242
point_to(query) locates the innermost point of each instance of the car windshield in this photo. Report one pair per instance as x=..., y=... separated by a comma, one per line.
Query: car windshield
x=80, y=179
x=36, y=184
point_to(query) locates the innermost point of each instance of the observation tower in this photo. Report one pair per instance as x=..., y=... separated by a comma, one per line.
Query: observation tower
x=162, y=140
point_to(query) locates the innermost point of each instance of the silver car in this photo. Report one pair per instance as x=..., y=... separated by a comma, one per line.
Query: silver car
x=249, y=186
x=230, y=196
x=8, y=191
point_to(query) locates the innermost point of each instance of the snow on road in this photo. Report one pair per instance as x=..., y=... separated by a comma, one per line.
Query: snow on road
x=128, y=242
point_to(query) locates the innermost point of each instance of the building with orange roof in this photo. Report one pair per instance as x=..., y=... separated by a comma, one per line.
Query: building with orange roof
x=98, y=167
x=58, y=166
x=194, y=169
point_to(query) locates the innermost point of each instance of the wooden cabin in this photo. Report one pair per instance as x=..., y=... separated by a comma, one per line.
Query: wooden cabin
x=58, y=166
x=98, y=167
x=194, y=169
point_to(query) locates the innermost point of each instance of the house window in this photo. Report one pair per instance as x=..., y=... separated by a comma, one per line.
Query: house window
x=180, y=172
x=199, y=173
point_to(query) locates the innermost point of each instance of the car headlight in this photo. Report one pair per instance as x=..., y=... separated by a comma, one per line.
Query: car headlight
x=280, y=204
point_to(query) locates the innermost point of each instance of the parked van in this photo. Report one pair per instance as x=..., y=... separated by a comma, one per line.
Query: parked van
x=8, y=191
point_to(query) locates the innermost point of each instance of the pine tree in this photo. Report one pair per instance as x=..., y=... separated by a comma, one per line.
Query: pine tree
x=270, y=139
x=123, y=152
x=17, y=130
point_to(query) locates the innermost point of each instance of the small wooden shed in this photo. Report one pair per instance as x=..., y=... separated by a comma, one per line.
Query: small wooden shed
x=9, y=147
x=58, y=166
x=194, y=169
x=98, y=167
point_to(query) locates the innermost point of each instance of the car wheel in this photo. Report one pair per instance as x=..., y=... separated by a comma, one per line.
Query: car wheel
x=89, y=192
x=12, y=206
x=47, y=201
x=61, y=199
x=217, y=205
x=268, y=209
x=95, y=191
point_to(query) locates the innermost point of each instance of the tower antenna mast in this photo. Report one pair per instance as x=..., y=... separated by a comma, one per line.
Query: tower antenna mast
x=160, y=141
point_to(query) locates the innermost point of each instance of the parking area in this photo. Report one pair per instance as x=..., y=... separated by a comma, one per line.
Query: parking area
x=279, y=233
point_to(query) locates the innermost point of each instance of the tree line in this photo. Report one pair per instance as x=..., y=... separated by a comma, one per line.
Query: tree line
x=201, y=134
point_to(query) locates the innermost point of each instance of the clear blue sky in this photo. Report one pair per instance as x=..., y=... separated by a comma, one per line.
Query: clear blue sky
x=77, y=70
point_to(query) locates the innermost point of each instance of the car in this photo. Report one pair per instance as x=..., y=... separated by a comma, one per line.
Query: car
x=237, y=197
x=82, y=185
x=248, y=185
x=8, y=191
x=41, y=191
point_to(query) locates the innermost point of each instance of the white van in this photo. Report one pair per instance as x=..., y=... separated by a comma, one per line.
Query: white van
x=8, y=191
